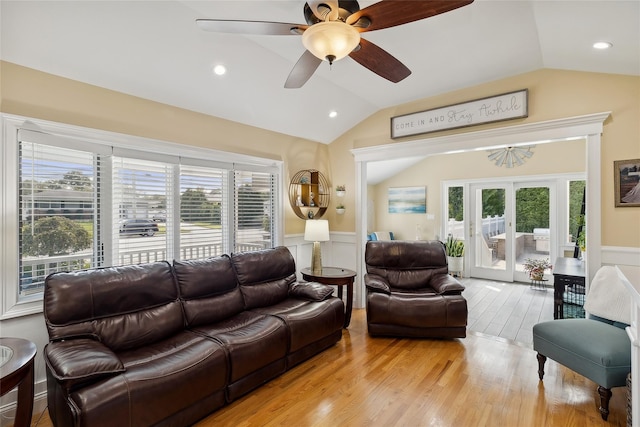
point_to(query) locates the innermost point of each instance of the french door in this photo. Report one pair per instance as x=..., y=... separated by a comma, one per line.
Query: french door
x=509, y=222
x=536, y=232
x=490, y=231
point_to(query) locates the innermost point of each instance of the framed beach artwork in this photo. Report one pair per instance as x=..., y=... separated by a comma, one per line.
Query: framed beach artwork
x=627, y=182
x=408, y=200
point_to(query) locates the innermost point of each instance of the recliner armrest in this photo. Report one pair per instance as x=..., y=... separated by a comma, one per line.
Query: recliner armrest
x=80, y=360
x=312, y=291
x=445, y=284
x=376, y=283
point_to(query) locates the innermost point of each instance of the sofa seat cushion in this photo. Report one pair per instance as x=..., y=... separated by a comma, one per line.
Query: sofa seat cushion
x=307, y=321
x=252, y=341
x=596, y=350
x=160, y=380
x=419, y=311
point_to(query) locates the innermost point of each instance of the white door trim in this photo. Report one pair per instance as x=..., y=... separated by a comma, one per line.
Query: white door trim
x=589, y=126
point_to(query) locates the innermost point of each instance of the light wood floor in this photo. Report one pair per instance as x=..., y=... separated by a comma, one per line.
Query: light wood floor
x=474, y=381
x=506, y=310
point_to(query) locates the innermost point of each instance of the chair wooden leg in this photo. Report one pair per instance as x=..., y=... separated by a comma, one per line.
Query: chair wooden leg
x=541, y=360
x=605, y=395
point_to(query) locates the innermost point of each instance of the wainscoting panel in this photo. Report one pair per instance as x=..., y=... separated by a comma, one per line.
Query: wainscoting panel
x=340, y=251
x=618, y=255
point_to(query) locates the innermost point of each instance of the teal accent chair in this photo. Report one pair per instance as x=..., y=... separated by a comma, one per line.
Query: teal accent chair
x=597, y=348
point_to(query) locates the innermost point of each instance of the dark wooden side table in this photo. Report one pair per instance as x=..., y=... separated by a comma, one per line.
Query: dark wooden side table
x=16, y=369
x=567, y=273
x=338, y=277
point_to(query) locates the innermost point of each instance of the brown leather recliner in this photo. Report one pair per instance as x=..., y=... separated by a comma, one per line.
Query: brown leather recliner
x=410, y=293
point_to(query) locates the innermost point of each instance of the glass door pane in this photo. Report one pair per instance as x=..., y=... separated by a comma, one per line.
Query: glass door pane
x=532, y=238
x=490, y=243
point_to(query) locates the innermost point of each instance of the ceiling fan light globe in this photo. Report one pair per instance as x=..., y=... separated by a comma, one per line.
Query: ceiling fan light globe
x=330, y=39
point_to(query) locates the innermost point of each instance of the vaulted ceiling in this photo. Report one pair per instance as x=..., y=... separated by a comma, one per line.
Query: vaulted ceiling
x=154, y=50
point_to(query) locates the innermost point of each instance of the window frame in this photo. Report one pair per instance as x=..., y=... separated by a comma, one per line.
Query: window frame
x=10, y=305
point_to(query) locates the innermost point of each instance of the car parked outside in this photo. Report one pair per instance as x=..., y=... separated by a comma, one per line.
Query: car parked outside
x=160, y=216
x=144, y=227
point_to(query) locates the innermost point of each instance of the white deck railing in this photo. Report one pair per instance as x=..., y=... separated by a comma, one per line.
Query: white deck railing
x=35, y=270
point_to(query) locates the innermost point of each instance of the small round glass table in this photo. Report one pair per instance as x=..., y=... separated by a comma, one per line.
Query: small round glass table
x=16, y=370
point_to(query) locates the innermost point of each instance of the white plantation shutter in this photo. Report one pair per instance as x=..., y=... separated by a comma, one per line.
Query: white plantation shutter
x=58, y=211
x=141, y=199
x=253, y=224
x=78, y=190
x=203, y=206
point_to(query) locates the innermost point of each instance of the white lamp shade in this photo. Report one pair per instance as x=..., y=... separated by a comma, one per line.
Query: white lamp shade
x=332, y=38
x=316, y=230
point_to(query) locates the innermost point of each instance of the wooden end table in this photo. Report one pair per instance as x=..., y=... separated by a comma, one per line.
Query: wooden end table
x=16, y=369
x=337, y=277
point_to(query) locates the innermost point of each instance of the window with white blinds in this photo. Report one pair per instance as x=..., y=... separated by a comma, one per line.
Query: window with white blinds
x=58, y=207
x=84, y=203
x=141, y=191
x=203, y=207
x=254, y=201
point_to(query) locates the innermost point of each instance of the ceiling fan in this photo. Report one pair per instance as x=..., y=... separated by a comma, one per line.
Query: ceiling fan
x=332, y=31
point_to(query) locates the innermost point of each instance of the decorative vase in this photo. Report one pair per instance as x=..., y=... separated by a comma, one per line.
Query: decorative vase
x=456, y=263
x=340, y=211
x=340, y=193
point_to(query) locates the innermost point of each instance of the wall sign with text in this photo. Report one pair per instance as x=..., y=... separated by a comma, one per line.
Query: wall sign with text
x=507, y=106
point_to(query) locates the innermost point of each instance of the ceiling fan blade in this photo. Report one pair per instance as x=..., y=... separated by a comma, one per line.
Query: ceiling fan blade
x=251, y=27
x=379, y=61
x=389, y=13
x=319, y=9
x=303, y=70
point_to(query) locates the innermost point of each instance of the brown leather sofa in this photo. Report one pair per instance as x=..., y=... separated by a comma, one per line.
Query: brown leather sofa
x=410, y=293
x=161, y=344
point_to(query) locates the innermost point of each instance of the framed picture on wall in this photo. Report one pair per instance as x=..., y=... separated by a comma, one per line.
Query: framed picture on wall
x=408, y=200
x=627, y=182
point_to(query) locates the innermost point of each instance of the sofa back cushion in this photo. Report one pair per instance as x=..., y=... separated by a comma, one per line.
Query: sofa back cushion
x=123, y=307
x=406, y=264
x=264, y=276
x=209, y=289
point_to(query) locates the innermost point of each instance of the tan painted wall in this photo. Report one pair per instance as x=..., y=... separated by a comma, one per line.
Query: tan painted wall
x=553, y=94
x=555, y=158
x=30, y=93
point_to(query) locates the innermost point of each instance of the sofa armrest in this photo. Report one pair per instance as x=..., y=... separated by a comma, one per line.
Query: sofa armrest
x=312, y=291
x=375, y=283
x=80, y=360
x=445, y=284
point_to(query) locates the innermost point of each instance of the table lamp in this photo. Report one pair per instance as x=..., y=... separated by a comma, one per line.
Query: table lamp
x=316, y=231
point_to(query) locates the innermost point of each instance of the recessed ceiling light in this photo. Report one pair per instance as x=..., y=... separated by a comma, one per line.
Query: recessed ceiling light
x=602, y=45
x=219, y=70
x=333, y=114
